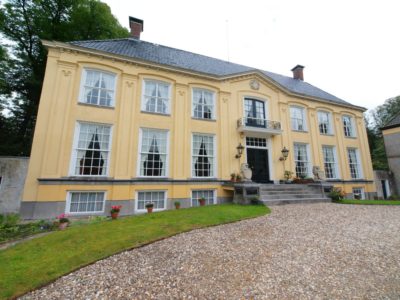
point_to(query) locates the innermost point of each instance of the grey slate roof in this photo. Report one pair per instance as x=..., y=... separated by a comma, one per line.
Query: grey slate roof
x=149, y=52
x=394, y=122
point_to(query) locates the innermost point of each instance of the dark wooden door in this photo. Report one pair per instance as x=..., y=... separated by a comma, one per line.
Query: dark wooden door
x=257, y=159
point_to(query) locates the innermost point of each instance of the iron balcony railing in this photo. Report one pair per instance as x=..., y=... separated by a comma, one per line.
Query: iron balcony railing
x=259, y=123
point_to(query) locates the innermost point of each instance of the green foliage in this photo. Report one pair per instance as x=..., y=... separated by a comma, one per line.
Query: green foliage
x=38, y=261
x=25, y=23
x=336, y=194
x=10, y=229
x=379, y=117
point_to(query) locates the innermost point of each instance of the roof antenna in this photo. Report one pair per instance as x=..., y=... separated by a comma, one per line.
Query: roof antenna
x=227, y=38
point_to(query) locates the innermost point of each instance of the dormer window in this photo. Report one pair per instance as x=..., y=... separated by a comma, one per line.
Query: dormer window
x=156, y=97
x=98, y=88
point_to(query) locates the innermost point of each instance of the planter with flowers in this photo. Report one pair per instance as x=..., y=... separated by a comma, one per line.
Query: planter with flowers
x=63, y=221
x=149, y=207
x=202, y=201
x=177, y=204
x=115, y=209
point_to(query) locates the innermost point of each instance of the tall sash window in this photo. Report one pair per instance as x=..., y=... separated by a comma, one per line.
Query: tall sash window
x=354, y=163
x=153, y=152
x=92, y=149
x=98, y=88
x=203, y=156
x=324, y=122
x=203, y=104
x=156, y=97
x=298, y=118
x=329, y=162
x=301, y=160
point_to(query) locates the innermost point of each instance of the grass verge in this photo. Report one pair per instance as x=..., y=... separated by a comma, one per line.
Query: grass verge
x=37, y=262
x=369, y=202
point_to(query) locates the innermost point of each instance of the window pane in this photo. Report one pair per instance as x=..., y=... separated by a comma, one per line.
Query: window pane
x=203, y=156
x=99, y=88
x=301, y=160
x=203, y=104
x=153, y=155
x=156, y=97
x=86, y=202
x=92, y=149
x=208, y=195
x=156, y=197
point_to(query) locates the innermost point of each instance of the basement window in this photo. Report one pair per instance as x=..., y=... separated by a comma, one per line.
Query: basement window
x=358, y=194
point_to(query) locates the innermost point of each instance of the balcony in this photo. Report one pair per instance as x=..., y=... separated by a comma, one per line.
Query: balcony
x=259, y=127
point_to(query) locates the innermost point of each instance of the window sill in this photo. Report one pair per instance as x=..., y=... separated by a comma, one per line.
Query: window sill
x=155, y=113
x=327, y=134
x=351, y=137
x=302, y=131
x=95, y=105
x=201, y=119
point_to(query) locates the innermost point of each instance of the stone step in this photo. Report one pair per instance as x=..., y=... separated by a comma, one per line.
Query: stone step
x=291, y=196
x=288, y=192
x=295, y=201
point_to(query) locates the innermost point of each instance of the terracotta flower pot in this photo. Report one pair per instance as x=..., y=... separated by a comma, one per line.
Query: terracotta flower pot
x=114, y=215
x=177, y=206
x=149, y=210
x=202, y=202
x=63, y=225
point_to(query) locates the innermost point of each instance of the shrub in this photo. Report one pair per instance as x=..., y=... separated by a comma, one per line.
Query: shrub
x=394, y=197
x=336, y=194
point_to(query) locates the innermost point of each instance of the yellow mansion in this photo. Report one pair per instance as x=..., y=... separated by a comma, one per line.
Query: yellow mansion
x=128, y=122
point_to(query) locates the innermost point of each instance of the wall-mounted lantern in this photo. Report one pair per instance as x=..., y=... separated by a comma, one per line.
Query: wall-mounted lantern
x=239, y=149
x=285, y=154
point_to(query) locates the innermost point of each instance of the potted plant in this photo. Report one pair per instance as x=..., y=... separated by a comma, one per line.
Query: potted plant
x=233, y=177
x=150, y=207
x=177, y=204
x=63, y=221
x=115, y=209
x=202, y=201
x=238, y=178
x=287, y=175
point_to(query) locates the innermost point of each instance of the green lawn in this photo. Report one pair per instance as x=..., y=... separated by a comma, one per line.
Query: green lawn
x=34, y=263
x=369, y=202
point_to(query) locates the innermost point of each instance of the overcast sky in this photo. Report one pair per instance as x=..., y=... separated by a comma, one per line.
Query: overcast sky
x=349, y=48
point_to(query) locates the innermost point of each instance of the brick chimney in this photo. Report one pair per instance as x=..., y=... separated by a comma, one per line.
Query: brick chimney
x=136, y=26
x=298, y=72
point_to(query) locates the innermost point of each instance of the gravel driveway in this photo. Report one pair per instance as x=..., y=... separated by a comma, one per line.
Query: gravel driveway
x=310, y=251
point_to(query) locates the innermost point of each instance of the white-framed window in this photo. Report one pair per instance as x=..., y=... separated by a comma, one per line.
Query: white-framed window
x=302, y=160
x=354, y=163
x=98, y=88
x=348, y=126
x=209, y=195
x=298, y=118
x=203, y=104
x=254, y=142
x=1, y=180
x=325, y=122
x=203, y=155
x=156, y=96
x=91, y=151
x=153, y=152
x=83, y=202
x=358, y=194
x=330, y=162
x=158, y=198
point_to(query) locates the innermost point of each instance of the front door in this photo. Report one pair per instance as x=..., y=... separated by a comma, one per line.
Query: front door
x=257, y=159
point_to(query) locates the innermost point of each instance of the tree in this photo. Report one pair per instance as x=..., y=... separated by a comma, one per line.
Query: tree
x=24, y=23
x=381, y=115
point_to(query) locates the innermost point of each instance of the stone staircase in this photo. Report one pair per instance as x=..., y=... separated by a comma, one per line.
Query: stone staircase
x=275, y=194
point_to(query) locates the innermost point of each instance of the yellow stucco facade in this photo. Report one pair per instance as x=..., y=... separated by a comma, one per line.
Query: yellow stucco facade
x=49, y=177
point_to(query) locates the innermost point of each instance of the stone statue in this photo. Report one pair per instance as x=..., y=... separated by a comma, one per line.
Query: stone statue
x=246, y=172
x=318, y=173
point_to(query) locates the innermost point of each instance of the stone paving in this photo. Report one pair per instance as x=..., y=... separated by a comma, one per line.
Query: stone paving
x=301, y=251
